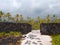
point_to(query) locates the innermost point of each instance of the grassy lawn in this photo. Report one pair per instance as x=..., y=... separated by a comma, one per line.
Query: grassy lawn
x=56, y=40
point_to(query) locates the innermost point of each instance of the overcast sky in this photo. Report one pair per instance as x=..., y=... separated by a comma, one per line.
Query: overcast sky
x=31, y=8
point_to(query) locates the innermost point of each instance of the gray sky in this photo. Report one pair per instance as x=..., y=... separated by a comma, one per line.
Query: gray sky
x=31, y=8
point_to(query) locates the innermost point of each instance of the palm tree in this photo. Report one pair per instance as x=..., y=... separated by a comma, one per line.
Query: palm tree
x=48, y=18
x=1, y=14
x=17, y=17
x=39, y=19
x=21, y=19
x=54, y=18
x=8, y=15
x=29, y=20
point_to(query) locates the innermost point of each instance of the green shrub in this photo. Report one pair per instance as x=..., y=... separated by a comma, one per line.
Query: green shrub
x=56, y=40
x=15, y=34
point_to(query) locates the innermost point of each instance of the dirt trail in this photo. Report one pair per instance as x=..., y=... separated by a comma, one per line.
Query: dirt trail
x=35, y=38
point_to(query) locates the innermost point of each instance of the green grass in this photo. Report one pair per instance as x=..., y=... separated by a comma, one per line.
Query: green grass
x=56, y=40
x=10, y=34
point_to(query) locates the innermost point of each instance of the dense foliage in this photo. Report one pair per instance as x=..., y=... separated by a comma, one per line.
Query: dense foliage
x=34, y=22
x=56, y=40
x=15, y=34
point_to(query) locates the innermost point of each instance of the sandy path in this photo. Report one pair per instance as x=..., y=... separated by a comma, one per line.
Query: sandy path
x=35, y=38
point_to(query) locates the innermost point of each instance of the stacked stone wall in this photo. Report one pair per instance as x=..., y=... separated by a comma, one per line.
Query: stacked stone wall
x=50, y=28
x=20, y=27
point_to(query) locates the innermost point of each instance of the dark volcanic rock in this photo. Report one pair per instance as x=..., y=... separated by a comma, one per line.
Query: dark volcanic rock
x=50, y=28
x=24, y=28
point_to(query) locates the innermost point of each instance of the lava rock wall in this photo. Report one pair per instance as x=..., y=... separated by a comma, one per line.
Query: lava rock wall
x=24, y=28
x=50, y=28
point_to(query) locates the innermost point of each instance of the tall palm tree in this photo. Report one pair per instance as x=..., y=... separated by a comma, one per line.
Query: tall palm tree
x=54, y=18
x=48, y=18
x=17, y=17
x=21, y=18
x=29, y=20
x=1, y=14
x=39, y=19
x=8, y=15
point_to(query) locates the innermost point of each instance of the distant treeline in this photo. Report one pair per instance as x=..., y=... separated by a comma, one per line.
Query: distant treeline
x=7, y=17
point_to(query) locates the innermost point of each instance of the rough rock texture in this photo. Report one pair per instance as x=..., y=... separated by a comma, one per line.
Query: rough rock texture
x=50, y=28
x=24, y=28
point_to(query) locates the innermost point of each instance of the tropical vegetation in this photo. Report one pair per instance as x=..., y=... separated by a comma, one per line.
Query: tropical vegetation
x=18, y=18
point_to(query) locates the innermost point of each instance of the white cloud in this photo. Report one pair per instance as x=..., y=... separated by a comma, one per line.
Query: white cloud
x=10, y=5
x=30, y=6
x=51, y=6
x=16, y=4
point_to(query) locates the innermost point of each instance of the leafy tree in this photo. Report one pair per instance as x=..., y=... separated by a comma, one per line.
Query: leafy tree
x=38, y=19
x=29, y=20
